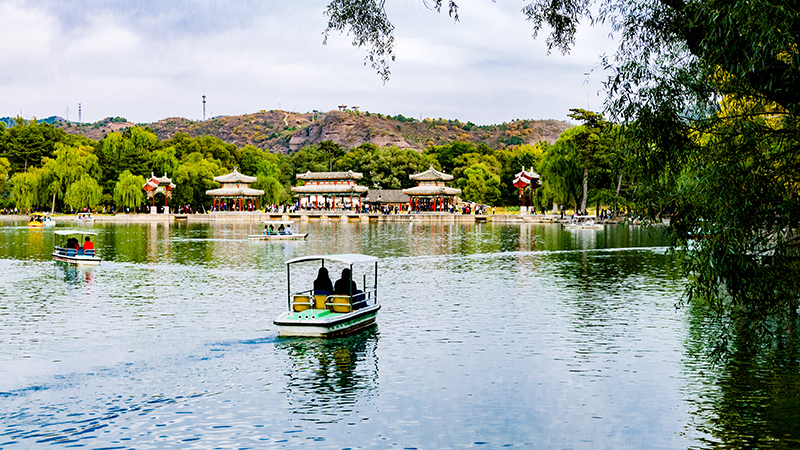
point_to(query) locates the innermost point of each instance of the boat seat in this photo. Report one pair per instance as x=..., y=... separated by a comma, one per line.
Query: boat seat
x=301, y=302
x=340, y=304
x=89, y=252
x=319, y=301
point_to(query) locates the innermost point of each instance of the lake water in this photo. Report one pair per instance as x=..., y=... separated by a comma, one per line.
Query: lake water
x=490, y=336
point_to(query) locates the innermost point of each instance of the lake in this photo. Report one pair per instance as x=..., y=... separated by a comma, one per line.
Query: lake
x=489, y=336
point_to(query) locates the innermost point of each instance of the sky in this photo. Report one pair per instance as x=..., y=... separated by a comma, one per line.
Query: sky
x=150, y=60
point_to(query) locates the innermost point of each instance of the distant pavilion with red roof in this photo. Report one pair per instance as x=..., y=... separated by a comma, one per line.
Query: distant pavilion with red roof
x=431, y=192
x=236, y=187
x=320, y=187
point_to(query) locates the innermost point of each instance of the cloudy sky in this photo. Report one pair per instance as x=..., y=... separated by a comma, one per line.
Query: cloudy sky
x=148, y=60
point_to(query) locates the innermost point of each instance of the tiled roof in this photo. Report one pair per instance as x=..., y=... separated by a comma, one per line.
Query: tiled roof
x=235, y=177
x=387, y=196
x=349, y=175
x=235, y=192
x=431, y=190
x=431, y=175
x=330, y=189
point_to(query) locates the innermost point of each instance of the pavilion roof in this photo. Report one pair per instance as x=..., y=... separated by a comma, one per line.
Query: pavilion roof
x=330, y=189
x=387, y=196
x=431, y=190
x=431, y=175
x=235, y=192
x=349, y=175
x=235, y=177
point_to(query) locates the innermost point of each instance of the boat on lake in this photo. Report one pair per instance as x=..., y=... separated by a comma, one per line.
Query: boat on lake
x=65, y=249
x=279, y=230
x=313, y=312
x=39, y=220
x=85, y=217
x=583, y=223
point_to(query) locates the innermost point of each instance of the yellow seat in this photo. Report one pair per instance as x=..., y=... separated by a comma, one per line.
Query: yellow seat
x=341, y=304
x=301, y=302
x=319, y=301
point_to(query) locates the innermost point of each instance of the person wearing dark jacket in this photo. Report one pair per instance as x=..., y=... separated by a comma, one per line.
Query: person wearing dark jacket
x=345, y=285
x=323, y=285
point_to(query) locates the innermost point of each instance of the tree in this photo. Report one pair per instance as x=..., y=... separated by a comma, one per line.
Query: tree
x=84, y=193
x=193, y=178
x=70, y=164
x=726, y=177
x=130, y=151
x=129, y=190
x=561, y=170
x=591, y=144
x=26, y=188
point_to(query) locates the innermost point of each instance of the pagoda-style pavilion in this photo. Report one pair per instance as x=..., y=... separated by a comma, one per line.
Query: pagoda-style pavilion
x=156, y=185
x=328, y=190
x=525, y=179
x=431, y=192
x=236, y=187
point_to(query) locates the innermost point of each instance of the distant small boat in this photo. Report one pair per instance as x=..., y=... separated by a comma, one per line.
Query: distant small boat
x=38, y=220
x=584, y=223
x=279, y=230
x=314, y=313
x=65, y=248
x=84, y=217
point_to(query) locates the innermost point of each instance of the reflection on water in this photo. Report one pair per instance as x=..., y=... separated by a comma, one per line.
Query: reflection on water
x=327, y=380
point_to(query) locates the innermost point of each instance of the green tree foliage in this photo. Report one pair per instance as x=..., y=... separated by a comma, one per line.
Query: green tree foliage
x=84, y=193
x=209, y=147
x=69, y=166
x=710, y=95
x=5, y=171
x=480, y=184
x=27, y=143
x=193, y=178
x=163, y=161
x=27, y=189
x=446, y=154
x=591, y=143
x=561, y=169
x=130, y=151
x=389, y=167
x=129, y=191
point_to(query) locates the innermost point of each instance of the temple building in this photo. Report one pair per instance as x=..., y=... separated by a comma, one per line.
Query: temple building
x=330, y=190
x=236, y=188
x=431, y=192
x=159, y=185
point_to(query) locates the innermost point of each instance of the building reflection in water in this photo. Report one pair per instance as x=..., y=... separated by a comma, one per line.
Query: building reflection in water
x=328, y=380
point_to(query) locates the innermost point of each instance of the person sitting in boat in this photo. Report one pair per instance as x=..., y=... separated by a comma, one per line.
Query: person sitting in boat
x=280, y=229
x=323, y=284
x=346, y=286
x=88, y=245
x=271, y=230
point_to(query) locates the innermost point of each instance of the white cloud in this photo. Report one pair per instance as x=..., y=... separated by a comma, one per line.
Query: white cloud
x=149, y=60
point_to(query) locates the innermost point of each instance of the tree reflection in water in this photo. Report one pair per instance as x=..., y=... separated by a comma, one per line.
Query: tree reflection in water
x=750, y=399
x=327, y=379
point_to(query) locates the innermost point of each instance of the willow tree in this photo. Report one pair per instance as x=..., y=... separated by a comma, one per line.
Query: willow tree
x=84, y=193
x=727, y=174
x=70, y=164
x=129, y=190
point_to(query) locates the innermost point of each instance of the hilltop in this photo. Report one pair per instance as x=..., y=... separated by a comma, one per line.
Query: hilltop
x=284, y=131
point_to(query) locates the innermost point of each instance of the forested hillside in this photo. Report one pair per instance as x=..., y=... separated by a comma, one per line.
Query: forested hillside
x=284, y=131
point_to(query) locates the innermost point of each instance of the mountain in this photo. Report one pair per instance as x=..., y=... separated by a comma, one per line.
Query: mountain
x=284, y=131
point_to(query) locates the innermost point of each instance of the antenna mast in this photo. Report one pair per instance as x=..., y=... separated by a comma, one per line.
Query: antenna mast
x=204, y=108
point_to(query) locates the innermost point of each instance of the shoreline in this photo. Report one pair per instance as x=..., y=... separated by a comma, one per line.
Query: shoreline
x=315, y=216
